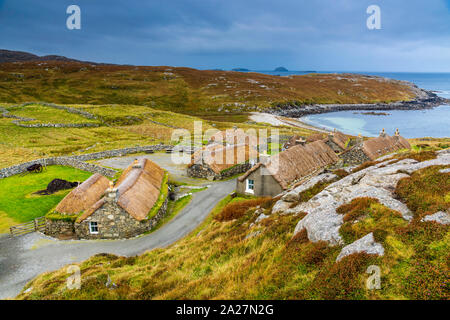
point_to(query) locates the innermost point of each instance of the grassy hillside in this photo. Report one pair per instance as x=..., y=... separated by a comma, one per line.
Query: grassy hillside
x=232, y=257
x=185, y=90
x=18, y=203
x=120, y=126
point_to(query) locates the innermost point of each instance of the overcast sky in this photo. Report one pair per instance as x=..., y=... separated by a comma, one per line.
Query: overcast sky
x=255, y=34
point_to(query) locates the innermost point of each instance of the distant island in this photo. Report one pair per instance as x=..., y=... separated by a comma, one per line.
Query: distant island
x=281, y=69
x=240, y=69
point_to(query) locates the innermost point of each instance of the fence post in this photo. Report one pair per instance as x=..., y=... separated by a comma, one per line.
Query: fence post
x=35, y=225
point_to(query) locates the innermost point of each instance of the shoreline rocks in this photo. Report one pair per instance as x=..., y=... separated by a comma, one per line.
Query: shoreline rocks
x=424, y=100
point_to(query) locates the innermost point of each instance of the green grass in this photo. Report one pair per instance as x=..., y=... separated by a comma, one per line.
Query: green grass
x=17, y=201
x=164, y=190
x=45, y=114
x=173, y=208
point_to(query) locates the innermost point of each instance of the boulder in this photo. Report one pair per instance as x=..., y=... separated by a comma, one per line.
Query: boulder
x=439, y=217
x=366, y=244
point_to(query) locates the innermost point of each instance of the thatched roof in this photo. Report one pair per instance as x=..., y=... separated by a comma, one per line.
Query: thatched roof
x=219, y=157
x=338, y=138
x=296, y=162
x=376, y=147
x=84, y=196
x=138, y=190
x=233, y=137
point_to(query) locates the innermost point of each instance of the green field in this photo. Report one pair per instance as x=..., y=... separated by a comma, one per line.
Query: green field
x=18, y=203
x=45, y=114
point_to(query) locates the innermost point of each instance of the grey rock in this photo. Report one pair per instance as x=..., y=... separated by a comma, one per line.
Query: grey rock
x=439, y=217
x=261, y=217
x=322, y=222
x=366, y=244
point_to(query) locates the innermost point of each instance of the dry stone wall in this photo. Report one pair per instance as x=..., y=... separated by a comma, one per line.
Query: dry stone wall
x=79, y=160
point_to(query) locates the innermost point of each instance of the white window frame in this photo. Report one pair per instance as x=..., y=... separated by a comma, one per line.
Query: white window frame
x=247, y=186
x=91, y=225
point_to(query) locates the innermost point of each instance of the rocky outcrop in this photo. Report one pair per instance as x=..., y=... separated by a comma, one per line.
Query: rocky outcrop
x=439, y=217
x=366, y=244
x=322, y=222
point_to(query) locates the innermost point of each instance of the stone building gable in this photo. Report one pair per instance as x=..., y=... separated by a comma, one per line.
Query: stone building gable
x=114, y=223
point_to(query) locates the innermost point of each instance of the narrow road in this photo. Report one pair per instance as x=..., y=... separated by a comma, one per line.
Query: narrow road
x=23, y=258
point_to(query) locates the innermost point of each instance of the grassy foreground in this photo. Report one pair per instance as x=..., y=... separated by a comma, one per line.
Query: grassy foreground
x=18, y=203
x=229, y=258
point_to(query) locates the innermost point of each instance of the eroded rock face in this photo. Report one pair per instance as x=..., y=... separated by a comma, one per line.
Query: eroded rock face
x=322, y=222
x=439, y=217
x=366, y=244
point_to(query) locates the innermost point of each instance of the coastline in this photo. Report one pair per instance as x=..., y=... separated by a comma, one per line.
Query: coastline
x=425, y=99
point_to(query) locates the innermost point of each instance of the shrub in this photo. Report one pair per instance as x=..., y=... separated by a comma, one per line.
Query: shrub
x=364, y=166
x=317, y=253
x=424, y=192
x=236, y=210
x=341, y=173
x=356, y=208
x=427, y=281
x=340, y=281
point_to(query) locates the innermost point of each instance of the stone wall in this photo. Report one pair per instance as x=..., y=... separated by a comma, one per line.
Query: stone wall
x=205, y=172
x=115, y=223
x=354, y=156
x=63, y=161
x=78, y=161
x=59, y=228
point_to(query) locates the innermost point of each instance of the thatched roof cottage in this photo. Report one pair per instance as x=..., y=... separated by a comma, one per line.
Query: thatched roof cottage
x=286, y=168
x=217, y=161
x=102, y=210
x=335, y=140
x=373, y=148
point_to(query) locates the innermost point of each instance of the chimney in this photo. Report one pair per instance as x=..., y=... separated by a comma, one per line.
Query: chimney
x=360, y=139
x=383, y=133
x=136, y=164
x=111, y=193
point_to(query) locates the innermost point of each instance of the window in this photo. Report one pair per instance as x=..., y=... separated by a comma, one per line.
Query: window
x=250, y=186
x=93, y=227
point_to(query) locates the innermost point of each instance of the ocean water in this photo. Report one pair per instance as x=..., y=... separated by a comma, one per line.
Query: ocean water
x=411, y=123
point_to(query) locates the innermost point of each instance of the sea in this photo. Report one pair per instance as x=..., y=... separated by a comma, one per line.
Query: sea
x=411, y=123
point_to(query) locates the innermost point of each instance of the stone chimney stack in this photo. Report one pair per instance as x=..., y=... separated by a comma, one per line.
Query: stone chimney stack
x=111, y=193
x=383, y=133
x=396, y=134
x=136, y=164
x=360, y=139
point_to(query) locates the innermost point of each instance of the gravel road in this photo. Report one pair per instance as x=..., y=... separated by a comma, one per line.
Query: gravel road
x=23, y=258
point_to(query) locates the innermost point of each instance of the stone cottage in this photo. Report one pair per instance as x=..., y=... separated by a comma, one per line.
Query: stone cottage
x=98, y=209
x=373, y=148
x=273, y=176
x=217, y=161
